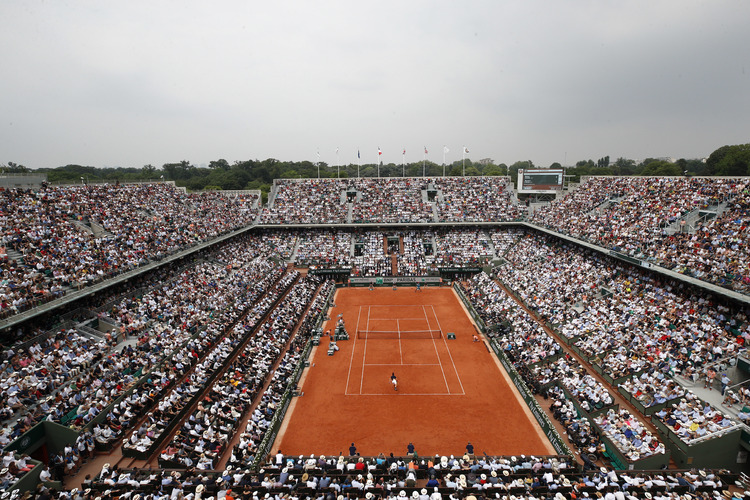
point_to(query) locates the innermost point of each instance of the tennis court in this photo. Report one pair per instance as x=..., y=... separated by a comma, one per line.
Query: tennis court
x=449, y=391
x=406, y=340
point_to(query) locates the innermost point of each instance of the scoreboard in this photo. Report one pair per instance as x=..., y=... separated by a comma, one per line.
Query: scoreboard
x=540, y=181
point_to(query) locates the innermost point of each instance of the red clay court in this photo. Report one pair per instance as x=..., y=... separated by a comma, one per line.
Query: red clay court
x=449, y=391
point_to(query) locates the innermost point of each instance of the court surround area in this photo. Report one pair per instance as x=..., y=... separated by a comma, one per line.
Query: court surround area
x=449, y=391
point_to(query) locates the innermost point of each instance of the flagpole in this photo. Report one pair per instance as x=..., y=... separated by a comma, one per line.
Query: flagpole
x=443, y=160
x=403, y=164
x=463, y=161
x=359, y=163
x=338, y=165
x=378, y=163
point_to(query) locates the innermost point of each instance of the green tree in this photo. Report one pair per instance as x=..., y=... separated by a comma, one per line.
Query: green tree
x=729, y=160
x=14, y=168
x=148, y=171
x=661, y=168
x=495, y=170
x=220, y=164
x=624, y=166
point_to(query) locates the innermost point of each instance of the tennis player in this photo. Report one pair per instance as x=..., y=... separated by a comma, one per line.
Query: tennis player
x=394, y=381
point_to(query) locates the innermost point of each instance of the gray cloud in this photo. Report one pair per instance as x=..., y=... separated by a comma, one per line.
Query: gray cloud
x=151, y=82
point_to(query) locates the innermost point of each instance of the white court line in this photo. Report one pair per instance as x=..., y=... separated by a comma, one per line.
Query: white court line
x=445, y=379
x=400, y=352
x=449, y=351
x=404, y=364
x=351, y=358
x=395, y=305
x=364, y=353
x=391, y=319
x=406, y=394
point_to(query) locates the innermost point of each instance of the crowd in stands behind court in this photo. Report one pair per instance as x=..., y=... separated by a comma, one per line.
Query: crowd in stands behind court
x=72, y=236
x=392, y=200
x=641, y=331
x=398, y=478
x=632, y=215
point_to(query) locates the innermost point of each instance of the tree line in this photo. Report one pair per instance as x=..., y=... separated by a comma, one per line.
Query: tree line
x=259, y=174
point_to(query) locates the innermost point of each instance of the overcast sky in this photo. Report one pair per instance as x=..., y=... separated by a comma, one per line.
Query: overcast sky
x=128, y=83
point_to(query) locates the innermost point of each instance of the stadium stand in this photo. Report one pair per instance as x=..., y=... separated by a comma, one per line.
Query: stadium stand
x=69, y=237
x=207, y=352
x=693, y=225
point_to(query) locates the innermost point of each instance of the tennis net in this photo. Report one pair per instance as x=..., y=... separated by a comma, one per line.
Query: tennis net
x=399, y=334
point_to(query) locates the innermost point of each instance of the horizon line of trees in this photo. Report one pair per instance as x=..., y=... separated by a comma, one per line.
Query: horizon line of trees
x=259, y=174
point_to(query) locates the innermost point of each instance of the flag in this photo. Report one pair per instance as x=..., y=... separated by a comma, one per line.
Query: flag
x=337, y=151
x=466, y=150
x=425, y=150
x=318, y=155
x=379, y=151
x=358, y=153
x=445, y=149
x=404, y=152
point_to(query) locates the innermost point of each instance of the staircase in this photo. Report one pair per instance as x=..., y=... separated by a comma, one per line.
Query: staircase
x=605, y=205
x=691, y=220
x=14, y=255
x=490, y=245
x=82, y=226
x=98, y=231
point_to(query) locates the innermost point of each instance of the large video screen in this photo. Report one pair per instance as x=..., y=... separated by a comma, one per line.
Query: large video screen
x=540, y=180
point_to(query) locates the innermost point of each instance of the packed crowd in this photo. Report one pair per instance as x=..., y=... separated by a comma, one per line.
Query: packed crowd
x=325, y=250
x=391, y=200
x=692, y=419
x=532, y=352
x=308, y=201
x=41, y=380
x=522, y=339
x=73, y=236
x=205, y=433
x=652, y=388
x=606, y=308
x=718, y=249
x=578, y=428
x=591, y=394
x=504, y=239
x=77, y=379
x=227, y=340
x=632, y=214
x=629, y=434
x=418, y=257
x=431, y=478
x=476, y=199
x=461, y=247
x=370, y=257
